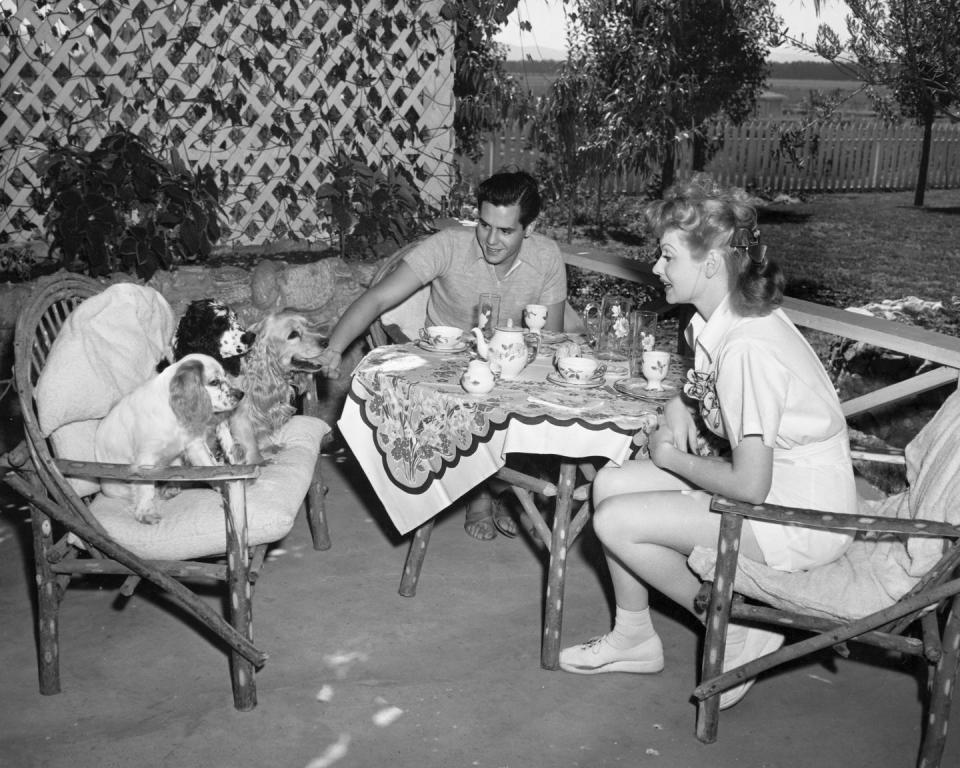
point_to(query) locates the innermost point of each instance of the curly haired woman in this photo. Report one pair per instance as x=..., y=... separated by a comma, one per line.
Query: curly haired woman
x=758, y=385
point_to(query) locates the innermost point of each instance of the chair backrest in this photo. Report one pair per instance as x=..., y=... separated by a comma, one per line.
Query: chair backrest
x=403, y=322
x=38, y=325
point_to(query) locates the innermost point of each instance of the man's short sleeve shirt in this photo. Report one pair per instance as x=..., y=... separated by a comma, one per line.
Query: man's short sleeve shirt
x=452, y=263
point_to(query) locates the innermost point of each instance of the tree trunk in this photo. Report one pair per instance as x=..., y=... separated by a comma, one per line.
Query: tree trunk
x=599, y=196
x=667, y=169
x=924, y=156
x=699, y=151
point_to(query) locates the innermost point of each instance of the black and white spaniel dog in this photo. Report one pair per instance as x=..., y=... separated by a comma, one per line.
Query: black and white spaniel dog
x=210, y=327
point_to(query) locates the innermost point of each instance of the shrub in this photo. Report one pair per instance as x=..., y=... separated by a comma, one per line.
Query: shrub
x=370, y=210
x=120, y=208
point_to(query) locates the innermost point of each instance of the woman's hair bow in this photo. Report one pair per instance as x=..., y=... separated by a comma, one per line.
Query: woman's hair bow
x=748, y=242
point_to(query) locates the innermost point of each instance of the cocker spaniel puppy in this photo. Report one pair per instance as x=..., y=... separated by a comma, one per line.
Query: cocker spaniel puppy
x=164, y=422
x=210, y=327
x=286, y=344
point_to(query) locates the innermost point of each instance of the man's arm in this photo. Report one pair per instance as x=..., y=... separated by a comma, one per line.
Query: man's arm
x=395, y=288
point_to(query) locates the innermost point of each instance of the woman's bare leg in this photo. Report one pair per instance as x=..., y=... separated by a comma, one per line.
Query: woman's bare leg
x=648, y=521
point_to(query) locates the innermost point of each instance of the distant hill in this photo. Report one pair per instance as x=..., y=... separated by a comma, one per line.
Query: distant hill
x=517, y=54
x=810, y=70
x=786, y=70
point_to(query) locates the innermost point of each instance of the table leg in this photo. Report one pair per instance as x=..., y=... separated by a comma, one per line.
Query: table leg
x=414, y=561
x=553, y=615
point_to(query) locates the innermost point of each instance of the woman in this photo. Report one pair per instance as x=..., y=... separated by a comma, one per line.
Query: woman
x=758, y=385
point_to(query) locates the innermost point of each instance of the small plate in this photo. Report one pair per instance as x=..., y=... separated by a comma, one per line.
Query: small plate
x=430, y=348
x=638, y=388
x=553, y=337
x=556, y=378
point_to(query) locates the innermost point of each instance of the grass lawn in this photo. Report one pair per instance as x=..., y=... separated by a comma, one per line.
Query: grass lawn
x=849, y=249
x=836, y=249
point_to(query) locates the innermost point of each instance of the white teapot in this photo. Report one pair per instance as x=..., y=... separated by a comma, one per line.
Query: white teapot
x=478, y=379
x=507, y=351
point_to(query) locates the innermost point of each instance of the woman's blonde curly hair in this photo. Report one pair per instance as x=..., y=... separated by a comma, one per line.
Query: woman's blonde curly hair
x=714, y=218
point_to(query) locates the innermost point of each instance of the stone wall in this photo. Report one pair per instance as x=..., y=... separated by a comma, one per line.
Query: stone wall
x=321, y=289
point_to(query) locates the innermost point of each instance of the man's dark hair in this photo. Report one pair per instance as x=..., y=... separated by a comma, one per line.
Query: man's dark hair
x=512, y=188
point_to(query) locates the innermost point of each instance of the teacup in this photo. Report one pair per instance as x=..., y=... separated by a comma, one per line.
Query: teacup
x=441, y=336
x=655, y=366
x=580, y=369
x=535, y=316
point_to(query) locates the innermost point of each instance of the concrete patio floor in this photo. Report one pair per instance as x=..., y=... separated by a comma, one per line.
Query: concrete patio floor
x=359, y=676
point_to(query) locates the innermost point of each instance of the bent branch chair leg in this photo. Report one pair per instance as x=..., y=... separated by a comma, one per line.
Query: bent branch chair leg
x=414, y=561
x=242, y=670
x=316, y=495
x=48, y=606
x=556, y=575
x=941, y=690
x=717, y=621
x=317, y=509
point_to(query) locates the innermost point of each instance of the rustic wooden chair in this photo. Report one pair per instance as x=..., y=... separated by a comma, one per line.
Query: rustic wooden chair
x=845, y=601
x=228, y=529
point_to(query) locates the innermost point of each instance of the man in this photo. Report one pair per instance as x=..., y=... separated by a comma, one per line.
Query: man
x=502, y=255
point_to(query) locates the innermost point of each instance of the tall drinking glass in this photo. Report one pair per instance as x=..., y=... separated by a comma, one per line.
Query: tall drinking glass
x=612, y=326
x=488, y=313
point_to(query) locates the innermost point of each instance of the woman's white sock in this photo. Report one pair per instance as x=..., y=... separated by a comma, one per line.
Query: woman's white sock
x=630, y=628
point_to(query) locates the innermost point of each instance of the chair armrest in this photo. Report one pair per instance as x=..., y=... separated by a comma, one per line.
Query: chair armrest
x=879, y=455
x=72, y=468
x=832, y=520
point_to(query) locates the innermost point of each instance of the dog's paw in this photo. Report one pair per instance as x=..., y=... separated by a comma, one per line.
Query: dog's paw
x=147, y=514
x=168, y=490
x=236, y=454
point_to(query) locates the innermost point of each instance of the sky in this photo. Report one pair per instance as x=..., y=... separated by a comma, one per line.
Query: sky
x=548, y=35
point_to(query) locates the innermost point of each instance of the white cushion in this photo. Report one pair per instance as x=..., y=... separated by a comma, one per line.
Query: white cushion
x=193, y=523
x=109, y=345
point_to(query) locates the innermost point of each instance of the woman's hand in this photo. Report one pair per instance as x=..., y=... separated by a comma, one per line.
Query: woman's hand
x=682, y=425
x=661, y=444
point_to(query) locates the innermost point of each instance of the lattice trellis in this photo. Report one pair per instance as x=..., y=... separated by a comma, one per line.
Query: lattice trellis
x=266, y=93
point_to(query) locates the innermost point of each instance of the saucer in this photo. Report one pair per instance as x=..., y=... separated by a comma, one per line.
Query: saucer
x=430, y=348
x=552, y=337
x=637, y=388
x=556, y=378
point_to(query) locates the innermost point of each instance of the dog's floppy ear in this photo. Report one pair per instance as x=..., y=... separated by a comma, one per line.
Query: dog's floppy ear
x=189, y=400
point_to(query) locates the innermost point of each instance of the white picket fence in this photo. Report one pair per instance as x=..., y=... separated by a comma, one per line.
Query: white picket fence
x=862, y=155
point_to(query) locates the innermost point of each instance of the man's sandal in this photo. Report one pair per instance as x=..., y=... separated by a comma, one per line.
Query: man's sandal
x=503, y=519
x=479, y=522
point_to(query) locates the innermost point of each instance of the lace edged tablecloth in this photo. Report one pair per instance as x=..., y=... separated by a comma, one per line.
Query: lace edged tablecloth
x=424, y=421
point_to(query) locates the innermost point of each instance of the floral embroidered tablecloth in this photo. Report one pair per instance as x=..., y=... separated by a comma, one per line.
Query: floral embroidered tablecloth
x=424, y=421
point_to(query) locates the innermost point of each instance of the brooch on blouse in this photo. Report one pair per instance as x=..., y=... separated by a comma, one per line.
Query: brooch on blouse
x=702, y=386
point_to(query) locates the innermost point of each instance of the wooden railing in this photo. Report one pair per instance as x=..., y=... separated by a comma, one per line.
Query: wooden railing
x=940, y=349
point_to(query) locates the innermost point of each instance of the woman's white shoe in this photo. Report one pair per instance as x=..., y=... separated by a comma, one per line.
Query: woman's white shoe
x=597, y=655
x=759, y=642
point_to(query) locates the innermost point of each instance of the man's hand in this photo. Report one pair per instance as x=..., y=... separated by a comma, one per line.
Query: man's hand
x=329, y=362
